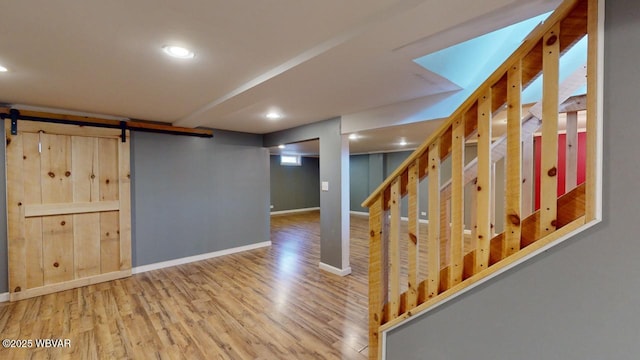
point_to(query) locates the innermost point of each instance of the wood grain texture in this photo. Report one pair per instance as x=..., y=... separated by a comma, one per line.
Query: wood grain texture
x=513, y=170
x=394, y=250
x=32, y=195
x=433, y=240
x=15, y=211
x=457, y=202
x=57, y=228
x=413, y=238
x=124, y=196
x=376, y=276
x=270, y=303
x=549, y=140
x=483, y=184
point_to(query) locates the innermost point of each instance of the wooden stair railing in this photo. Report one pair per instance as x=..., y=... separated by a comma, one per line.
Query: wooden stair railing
x=413, y=266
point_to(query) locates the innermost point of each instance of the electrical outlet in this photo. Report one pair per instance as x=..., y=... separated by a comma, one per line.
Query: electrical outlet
x=271, y=207
x=423, y=213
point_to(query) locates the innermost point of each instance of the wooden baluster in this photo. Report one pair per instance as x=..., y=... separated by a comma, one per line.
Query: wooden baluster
x=571, y=178
x=394, y=250
x=377, y=273
x=433, y=246
x=457, y=202
x=513, y=171
x=549, y=157
x=483, y=185
x=414, y=234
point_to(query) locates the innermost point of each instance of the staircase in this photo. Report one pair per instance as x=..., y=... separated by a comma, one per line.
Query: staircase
x=414, y=266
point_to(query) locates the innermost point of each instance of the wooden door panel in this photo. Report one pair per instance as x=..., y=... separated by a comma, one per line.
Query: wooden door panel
x=33, y=247
x=15, y=213
x=109, y=241
x=86, y=244
x=32, y=195
x=68, y=206
x=108, y=154
x=57, y=248
x=84, y=171
x=55, y=169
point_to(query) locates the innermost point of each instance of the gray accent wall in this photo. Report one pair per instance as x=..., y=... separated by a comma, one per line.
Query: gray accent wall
x=195, y=195
x=581, y=299
x=295, y=187
x=359, y=182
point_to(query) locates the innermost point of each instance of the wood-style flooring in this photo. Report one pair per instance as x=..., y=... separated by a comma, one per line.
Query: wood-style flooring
x=270, y=303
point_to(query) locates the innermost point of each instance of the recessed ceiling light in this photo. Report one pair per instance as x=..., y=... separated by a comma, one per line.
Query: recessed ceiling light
x=178, y=52
x=273, y=115
x=353, y=136
x=3, y=69
x=282, y=146
x=403, y=142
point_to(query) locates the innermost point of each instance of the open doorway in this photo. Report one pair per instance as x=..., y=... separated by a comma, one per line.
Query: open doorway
x=295, y=177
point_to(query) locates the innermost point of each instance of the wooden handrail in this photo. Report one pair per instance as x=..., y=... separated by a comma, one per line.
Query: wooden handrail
x=411, y=272
x=530, y=42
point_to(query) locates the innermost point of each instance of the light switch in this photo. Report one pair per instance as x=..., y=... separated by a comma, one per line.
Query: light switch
x=325, y=186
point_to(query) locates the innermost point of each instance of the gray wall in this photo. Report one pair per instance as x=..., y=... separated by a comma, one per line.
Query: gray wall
x=358, y=182
x=331, y=170
x=579, y=300
x=193, y=195
x=295, y=187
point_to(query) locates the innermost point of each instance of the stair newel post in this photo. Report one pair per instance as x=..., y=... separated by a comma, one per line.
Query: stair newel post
x=433, y=245
x=457, y=201
x=483, y=183
x=549, y=141
x=378, y=277
x=513, y=167
x=413, y=234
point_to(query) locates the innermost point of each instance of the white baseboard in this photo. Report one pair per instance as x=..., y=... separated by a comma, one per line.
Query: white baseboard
x=359, y=213
x=189, y=259
x=293, y=211
x=4, y=297
x=334, y=270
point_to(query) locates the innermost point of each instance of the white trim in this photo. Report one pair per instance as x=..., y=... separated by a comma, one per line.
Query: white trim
x=4, y=297
x=334, y=270
x=359, y=213
x=190, y=259
x=293, y=211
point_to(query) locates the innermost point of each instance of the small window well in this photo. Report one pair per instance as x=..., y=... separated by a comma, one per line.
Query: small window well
x=290, y=160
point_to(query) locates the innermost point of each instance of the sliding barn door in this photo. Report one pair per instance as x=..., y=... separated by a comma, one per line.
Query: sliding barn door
x=68, y=204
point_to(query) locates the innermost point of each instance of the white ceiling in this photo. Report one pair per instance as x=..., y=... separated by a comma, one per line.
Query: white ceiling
x=310, y=60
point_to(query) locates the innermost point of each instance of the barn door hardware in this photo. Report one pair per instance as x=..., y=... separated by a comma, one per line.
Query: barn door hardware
x=134, y=125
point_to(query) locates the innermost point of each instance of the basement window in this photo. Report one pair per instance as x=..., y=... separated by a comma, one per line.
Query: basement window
x=290, y=160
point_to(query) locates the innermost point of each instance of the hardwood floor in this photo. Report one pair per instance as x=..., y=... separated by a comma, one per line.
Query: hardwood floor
x=271, y=303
